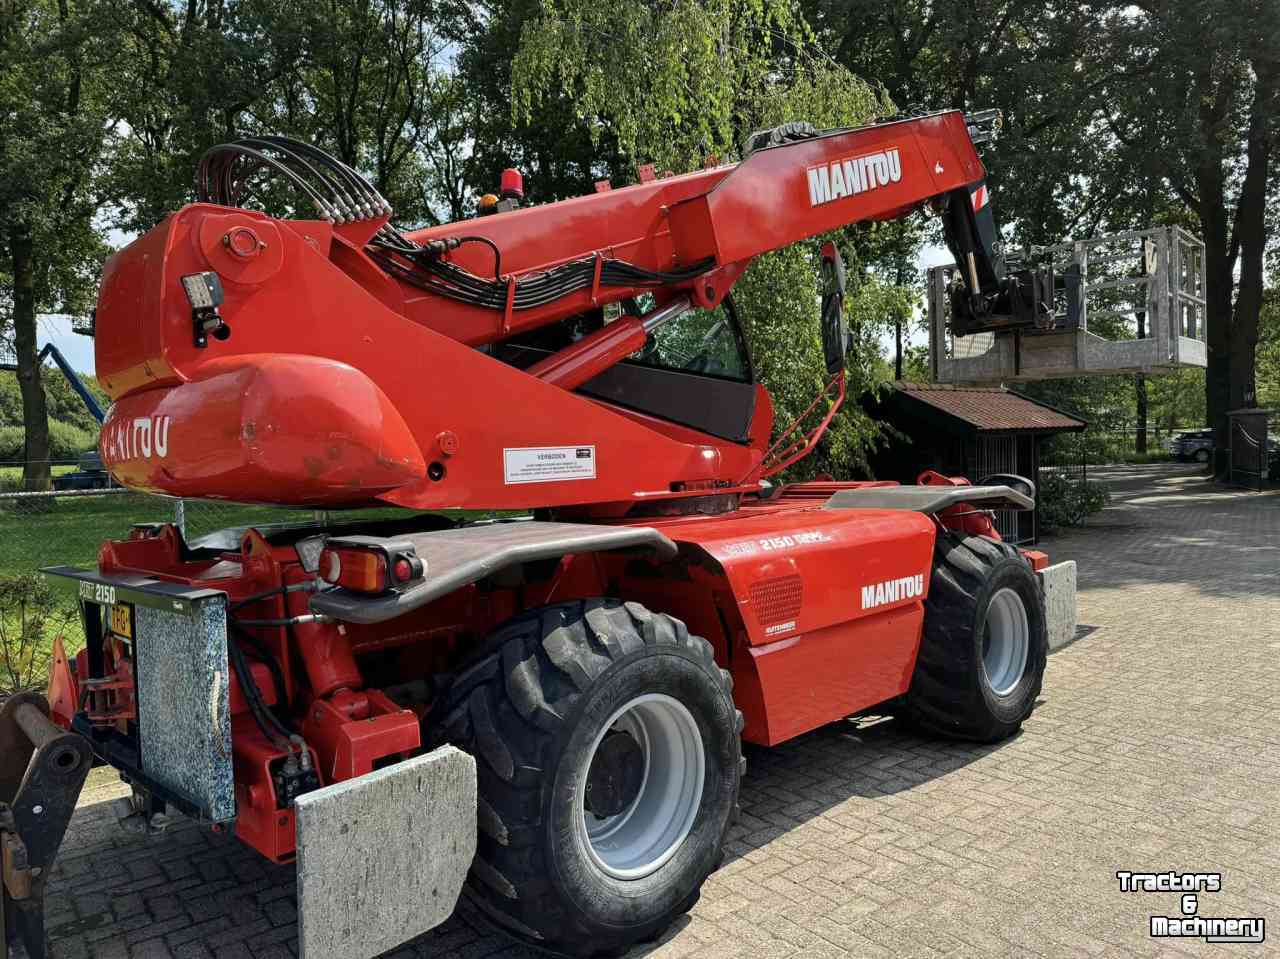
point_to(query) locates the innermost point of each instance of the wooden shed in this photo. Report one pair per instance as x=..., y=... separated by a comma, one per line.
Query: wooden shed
x=966, y=431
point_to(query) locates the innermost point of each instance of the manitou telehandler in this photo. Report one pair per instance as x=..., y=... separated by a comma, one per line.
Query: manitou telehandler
x=545, y=711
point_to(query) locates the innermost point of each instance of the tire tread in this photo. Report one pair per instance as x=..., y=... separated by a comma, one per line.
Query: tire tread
x=507, y=709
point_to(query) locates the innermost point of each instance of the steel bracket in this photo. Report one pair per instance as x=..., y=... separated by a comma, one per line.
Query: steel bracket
x=42, y=769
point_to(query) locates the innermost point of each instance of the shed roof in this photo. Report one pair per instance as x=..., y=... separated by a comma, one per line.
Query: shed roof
x=989, y=409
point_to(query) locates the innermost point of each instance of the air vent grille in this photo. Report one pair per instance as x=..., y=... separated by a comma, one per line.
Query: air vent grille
x=777, y=600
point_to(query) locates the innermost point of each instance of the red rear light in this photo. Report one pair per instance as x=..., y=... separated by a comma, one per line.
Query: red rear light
x=363, y=570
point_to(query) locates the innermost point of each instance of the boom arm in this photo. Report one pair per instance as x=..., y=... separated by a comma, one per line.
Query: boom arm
x=349, y=362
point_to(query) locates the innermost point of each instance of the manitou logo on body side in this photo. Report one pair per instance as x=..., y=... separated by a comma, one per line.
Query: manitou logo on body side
x=141, y=436
x=831, y=181
x=890, y=591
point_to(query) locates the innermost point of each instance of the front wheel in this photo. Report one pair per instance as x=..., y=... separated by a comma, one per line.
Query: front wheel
x=982, y=656
x=608, y=760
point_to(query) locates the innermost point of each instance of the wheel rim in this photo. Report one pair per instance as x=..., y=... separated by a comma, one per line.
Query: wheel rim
x=642, y=837
x=1005, y=642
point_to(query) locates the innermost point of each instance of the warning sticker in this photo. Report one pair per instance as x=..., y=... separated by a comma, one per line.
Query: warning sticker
x=548, y=464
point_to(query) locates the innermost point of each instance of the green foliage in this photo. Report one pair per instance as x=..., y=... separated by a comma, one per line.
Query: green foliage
x=66, y=442
x=1176, y=400
x=105, y=107
x=1063, y=500
x=672, y=82
x=31, y=616
x=63, y=402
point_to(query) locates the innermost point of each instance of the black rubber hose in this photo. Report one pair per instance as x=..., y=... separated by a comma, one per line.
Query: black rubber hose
x=253, y=696
x=263, y=655
x=497, y=254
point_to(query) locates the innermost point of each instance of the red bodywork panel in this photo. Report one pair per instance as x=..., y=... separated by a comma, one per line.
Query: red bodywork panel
x=340, y=385
x=814, y=651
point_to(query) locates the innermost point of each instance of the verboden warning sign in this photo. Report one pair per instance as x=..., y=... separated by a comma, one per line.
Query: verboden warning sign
x=548, y=464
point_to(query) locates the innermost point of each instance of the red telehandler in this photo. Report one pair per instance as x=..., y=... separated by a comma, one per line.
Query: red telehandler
x=546, y=711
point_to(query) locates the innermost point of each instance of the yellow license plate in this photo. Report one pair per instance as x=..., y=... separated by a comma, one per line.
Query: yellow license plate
x=122, y=620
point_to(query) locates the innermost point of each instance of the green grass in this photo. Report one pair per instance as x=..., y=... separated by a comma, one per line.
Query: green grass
x=68, y=530
x=15, y=472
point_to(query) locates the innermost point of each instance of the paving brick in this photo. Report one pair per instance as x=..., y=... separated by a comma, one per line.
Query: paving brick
x=1156, y=746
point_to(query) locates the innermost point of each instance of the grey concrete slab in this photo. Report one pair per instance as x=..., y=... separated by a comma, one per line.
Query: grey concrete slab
x=1059, y=585
x=382, y=857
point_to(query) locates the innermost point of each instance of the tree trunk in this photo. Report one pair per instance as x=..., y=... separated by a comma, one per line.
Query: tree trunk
x=35, y=415
x=897, y=354
x=1140, y=392
x=1140, y=430
x=1250, y=234
x=1217, y=378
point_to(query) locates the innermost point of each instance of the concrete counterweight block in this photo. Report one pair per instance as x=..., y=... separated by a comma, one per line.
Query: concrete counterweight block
x=1059, y=585
x=382, y=857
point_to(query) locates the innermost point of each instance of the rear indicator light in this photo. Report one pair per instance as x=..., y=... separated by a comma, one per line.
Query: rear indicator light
x=367, y=564
x=362, y=570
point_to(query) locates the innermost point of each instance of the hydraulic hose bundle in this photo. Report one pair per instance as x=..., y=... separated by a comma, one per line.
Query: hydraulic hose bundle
x=233, y=173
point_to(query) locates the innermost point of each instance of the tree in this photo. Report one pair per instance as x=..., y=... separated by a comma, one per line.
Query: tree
x=370, y=85
x=55, y=91
x=1206, y=114
x=1117, y=114
x=559, y=149
x=675, y=84
x=367, y=80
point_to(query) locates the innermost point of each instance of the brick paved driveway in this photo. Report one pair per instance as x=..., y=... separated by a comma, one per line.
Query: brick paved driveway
x=1156, y=746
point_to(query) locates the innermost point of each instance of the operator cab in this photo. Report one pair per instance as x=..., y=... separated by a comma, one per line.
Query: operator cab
x=694, y=370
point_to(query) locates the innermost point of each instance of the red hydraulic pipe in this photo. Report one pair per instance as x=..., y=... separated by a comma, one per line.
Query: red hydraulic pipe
x=325, y=648
x=596, y=352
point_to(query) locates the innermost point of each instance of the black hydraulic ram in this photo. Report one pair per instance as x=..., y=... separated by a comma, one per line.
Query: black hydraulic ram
x=42, y=768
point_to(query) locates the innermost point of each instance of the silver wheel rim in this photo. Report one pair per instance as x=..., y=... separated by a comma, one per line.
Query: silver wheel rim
x=1005, y=642
x=644, y=836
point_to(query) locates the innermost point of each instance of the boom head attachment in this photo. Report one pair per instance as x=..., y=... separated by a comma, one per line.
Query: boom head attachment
x=1123, y=303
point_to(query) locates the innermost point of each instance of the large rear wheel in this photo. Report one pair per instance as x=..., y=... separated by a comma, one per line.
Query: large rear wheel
x=982, y=657
x=608, y=761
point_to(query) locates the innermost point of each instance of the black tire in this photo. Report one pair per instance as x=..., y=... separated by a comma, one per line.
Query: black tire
x=951, y=694
x=530, y=712
x=1200, y=456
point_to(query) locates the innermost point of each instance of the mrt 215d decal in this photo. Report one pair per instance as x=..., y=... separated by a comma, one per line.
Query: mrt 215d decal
x=841, y=178
x=142, y=436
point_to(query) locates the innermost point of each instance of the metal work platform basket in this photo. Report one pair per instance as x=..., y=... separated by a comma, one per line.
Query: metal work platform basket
x=1127, y=303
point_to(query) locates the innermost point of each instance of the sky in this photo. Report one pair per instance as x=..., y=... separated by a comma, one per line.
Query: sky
x=76, y=348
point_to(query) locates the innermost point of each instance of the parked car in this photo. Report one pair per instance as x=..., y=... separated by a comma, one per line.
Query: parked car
x=90, y=474
x=1194, y=445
